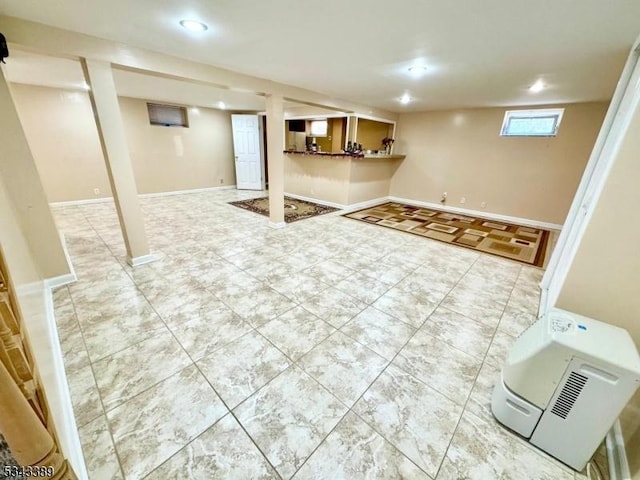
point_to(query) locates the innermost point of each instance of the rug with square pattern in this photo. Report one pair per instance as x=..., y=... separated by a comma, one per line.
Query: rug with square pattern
x=517, y=242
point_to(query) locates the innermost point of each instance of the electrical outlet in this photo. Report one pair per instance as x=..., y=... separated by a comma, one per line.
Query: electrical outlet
x=483, y=205
x=444, y=197
x=96, y=191
x=463, y=200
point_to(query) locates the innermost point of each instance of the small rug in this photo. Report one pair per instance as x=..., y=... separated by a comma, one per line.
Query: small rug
x=294, y=209
x=524, y=244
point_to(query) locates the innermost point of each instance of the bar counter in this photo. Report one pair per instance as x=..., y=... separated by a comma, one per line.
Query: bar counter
x=341, y=179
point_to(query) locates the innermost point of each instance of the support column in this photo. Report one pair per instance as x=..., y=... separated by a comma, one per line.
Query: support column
x=26, y=196
x=106, y=110
x=275, y=147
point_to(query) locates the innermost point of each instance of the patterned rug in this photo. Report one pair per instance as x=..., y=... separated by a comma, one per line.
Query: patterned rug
x=294, y=209
x=524, y=244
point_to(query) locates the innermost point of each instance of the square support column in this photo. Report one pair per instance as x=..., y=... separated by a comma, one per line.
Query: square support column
x=106, y=110
x=275, y=155
x=24, y=190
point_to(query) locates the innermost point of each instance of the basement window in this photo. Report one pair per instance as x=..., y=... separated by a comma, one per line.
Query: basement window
x=167, y=115
x=532, y=123
x=319, y=128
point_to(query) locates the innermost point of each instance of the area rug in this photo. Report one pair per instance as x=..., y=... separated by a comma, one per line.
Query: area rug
x=294, y=209
x=524, y=244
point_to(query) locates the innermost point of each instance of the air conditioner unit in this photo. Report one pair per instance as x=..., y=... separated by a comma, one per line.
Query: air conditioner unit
x=565, y=381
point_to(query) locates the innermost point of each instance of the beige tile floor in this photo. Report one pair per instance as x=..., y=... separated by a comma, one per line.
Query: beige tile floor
x=330, y=349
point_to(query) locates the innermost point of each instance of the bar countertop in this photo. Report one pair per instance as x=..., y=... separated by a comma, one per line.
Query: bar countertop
x=381, y=156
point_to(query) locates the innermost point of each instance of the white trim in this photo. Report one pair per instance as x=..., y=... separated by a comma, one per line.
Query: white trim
x=318, y=116
x=376, y=119
x=488, y=215
x=314, y=200
x=354, y=206
x=141, y=260
x=346, y=136
x=617, y=454
x=365, y=204
x=624, y=103
x=277, y=225
x=60, y=280
x=88, y=201
x=68, y=432
x=185, y=192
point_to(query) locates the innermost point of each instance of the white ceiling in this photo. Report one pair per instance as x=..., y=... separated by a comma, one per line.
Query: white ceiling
x=479, y=52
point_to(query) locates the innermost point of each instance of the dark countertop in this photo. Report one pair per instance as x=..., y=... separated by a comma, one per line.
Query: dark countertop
x=325, y=154
x=380, y=156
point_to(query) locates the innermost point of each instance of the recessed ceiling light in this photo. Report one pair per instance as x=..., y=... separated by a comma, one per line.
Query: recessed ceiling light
x=193, y=25
x=417, y=69
x=537, y=87
x=221, y=105
x=405, y=99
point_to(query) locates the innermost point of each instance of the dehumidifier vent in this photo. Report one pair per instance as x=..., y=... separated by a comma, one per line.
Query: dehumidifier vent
x=569, y=394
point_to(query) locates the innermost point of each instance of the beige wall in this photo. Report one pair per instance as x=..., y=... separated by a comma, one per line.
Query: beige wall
x=462, y=153
x=320, y=177
x=175, y=158
x=338, y=179
x=64, y=141
x=63, y=138
x=370, y=133
x=604, y=278
x=370, y=178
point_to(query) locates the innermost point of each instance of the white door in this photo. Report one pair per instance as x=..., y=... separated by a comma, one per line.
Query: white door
x=616, y=124
x=246, y=147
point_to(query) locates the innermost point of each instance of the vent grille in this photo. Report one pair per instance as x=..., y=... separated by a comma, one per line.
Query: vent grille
x=569, y=394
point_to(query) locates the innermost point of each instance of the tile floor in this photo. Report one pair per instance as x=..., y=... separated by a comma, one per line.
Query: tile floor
x=330, y=349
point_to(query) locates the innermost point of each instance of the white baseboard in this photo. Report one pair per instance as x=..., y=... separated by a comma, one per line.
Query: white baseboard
x=277, y=225
x=141, y=260
x=438, y=206
x=185, y=192
x=476, y=213
x=355, y=206
x=314, y=200
x=365, y=204
x=60, y=396
x=60, y=280
x=617, y=454
x=89, y=201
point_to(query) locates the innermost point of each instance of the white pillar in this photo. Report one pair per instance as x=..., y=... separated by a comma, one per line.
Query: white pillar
x=29, y=203
x=106, y=110
x=275, y=155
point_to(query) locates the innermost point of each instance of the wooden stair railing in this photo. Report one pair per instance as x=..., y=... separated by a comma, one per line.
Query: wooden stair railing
x=24, y=416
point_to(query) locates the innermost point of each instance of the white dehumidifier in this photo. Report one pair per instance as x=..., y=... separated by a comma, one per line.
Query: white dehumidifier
x=565, y=381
